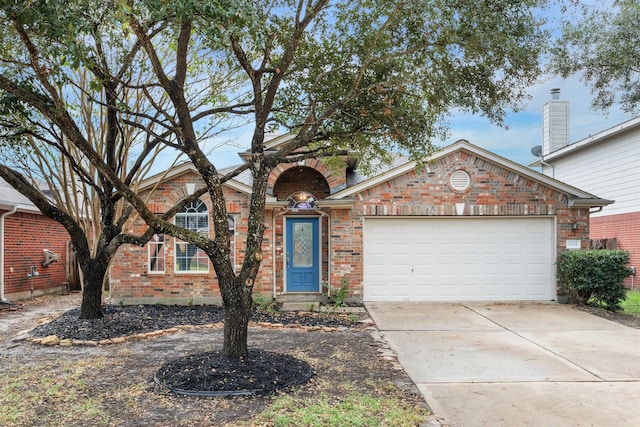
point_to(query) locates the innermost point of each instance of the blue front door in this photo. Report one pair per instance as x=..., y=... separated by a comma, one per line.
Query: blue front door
x=302, y=257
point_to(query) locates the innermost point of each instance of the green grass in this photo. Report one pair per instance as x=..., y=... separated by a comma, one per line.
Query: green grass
x=631, y=304
x=353, y=409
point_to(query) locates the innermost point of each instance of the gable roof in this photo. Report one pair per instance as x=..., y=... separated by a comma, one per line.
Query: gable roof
x=400, y=166
x=598, y=138
x=576, y=197
x=239, y=183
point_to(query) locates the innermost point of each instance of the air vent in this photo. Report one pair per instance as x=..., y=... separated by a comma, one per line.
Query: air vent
x=460, y=180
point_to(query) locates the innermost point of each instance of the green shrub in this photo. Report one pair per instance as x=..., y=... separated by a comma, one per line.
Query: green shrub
x=594, y=276
x=338, y=296
x=264, y=303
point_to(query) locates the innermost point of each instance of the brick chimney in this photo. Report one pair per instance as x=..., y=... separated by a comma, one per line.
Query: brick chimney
x=555, y=123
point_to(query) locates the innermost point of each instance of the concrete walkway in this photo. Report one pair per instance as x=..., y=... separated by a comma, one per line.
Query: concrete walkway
x=30, y=312
x=502, y=364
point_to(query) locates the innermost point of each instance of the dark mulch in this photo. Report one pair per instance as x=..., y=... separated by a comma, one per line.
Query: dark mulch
x=212, y=374
x=203, y=374
x=119, y=321
x=615, y=316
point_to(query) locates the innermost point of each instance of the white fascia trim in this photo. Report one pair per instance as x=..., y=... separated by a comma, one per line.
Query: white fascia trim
x=278, y=140
x=529, y=173
x=589, y=203
x=20, y=207
x=593, y=139
x=165, y=176
x=243, y=188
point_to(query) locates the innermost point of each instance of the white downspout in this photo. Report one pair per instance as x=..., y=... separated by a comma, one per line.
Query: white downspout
x=11, y=211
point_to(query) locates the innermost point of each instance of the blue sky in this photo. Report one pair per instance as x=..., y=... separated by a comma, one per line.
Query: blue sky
x=525, y=127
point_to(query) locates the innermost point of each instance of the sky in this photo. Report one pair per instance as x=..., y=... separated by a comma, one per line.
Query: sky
x=525, y=127
x=515, y=143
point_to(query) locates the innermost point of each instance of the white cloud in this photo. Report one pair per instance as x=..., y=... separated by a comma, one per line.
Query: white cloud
x=525, y=127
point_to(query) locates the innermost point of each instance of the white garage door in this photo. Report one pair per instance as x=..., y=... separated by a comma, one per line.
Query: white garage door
x=458, y=259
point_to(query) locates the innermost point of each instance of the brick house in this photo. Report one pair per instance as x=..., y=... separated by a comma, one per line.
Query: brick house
x=468, y=225
x=24, y=234
x=607, y=164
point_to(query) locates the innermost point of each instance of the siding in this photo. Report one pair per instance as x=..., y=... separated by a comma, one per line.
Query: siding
x=609, y=170
x=555, y=126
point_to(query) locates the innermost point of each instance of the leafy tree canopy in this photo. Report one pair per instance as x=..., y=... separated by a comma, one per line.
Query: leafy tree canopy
x=343, y=77
x=368, y=75
x=602, y=44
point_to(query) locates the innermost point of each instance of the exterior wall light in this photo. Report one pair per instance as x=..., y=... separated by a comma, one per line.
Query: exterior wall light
x=574, y=226
x=301, y=200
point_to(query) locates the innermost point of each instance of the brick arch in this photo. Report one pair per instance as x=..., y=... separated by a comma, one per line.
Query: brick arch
x=301, y=178
x=169, y=192
x=336, y=180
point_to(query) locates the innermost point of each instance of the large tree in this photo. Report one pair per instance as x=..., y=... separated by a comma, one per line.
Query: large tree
x=40, y=160
x=601, y=43
x=356, y=77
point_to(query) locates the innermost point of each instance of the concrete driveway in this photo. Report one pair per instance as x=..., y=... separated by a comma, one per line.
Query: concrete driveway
x=504, y=364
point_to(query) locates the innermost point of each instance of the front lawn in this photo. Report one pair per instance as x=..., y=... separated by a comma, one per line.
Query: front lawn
x=631, y=304
x=353, y=383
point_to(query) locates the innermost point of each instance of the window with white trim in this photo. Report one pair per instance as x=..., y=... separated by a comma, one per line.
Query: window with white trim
x=156, y=254
x=189, y=258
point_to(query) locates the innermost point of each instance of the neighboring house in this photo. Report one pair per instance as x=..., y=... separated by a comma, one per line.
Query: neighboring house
x=468, y=225
x=24, y=235
x=607, y=164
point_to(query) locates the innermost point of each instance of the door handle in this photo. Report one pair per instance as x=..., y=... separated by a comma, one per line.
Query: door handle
x=288, y=260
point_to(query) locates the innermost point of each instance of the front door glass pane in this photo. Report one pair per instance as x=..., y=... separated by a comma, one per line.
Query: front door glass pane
x=302, y=245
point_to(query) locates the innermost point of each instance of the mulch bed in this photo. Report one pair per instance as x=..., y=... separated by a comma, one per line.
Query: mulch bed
x=212, y=374
x=119, y=321
x=209, y=373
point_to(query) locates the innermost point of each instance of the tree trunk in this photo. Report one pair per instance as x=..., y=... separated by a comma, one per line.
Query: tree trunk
x=236, y=321
x=91, y=307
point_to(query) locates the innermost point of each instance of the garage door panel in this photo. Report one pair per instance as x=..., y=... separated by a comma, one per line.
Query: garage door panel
x=457, y=259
